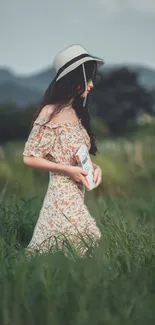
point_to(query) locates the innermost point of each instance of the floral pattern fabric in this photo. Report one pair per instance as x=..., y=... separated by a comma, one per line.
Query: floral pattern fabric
x=64, y=214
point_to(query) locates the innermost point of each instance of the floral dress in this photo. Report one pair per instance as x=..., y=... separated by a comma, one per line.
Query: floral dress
x=64, y=217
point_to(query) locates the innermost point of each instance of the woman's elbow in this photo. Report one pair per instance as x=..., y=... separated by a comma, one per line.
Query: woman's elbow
x=27, y=160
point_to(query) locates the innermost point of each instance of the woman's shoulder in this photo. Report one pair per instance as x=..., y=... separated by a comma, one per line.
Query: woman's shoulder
x=45, y=114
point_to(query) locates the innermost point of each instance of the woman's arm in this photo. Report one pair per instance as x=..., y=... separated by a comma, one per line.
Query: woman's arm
x=94, y=165
x=97, y=174
x=77, y=173
x=41, y=163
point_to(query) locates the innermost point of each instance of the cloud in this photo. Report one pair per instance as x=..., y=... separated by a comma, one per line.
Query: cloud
x=143, y=5
x=117, y=6
x=111, y=6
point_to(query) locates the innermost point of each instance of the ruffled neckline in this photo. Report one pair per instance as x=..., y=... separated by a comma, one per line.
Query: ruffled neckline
x=42, y=120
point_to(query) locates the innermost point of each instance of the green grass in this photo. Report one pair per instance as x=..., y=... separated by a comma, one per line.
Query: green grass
x=115, y=285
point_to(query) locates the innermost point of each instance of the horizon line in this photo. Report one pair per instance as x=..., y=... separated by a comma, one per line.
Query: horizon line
x=48, y=67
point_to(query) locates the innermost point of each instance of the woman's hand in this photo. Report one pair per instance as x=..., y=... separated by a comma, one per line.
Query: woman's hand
x=97, y=175
x=78, y=174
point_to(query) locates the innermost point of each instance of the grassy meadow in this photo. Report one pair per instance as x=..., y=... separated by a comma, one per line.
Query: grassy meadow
x=115, y=285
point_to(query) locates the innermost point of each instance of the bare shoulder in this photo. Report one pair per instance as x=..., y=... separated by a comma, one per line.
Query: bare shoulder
x=46, y=111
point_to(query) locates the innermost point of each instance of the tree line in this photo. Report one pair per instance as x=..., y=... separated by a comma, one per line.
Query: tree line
x=116, y=101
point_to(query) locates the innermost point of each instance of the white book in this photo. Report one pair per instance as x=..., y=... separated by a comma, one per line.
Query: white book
x=83, y=160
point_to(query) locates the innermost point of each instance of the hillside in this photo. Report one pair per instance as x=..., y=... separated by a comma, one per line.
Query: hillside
x=24, y=90
x=14, y=93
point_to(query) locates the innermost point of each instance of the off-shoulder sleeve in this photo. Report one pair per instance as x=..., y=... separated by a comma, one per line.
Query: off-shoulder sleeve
x=40, y=140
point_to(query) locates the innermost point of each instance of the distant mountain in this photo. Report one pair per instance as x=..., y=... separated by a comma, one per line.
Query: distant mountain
x=6, y=75
x=24, y=90
x=38, y=81
x=11, y=92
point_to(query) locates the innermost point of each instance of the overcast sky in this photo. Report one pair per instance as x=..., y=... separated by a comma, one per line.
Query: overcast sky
x=33, y=31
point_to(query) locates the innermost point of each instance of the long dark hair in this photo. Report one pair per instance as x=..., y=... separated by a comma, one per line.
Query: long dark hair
x=68, y=88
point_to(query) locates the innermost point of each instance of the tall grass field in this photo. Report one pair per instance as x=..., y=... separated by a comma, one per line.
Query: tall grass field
x=115, y=284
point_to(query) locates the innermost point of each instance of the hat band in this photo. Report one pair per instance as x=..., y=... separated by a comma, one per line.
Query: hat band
x=77, y=58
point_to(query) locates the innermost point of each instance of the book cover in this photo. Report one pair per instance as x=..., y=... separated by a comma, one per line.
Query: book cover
x=83, y=160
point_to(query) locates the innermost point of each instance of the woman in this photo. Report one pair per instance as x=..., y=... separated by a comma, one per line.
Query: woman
x=61, y=126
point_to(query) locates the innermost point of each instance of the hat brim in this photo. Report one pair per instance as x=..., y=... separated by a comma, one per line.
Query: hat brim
x=77, y=64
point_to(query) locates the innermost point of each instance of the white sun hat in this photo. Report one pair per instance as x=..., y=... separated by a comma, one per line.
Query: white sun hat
x=71, y=58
